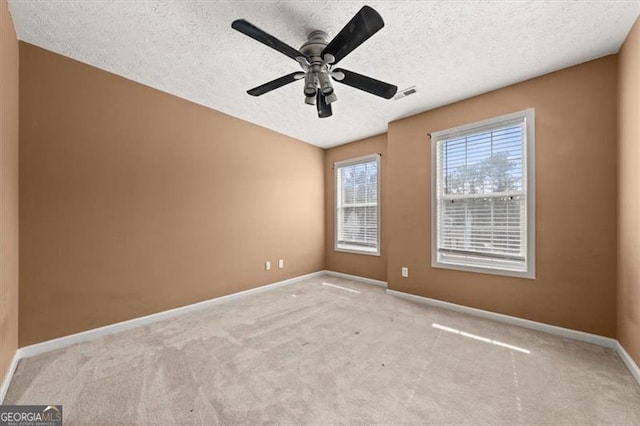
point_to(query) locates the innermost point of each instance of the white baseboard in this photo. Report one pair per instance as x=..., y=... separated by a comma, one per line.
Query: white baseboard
x=357, y=278
x=7, y=378
x=520, y=322
x=628, y=362
x=62, y=342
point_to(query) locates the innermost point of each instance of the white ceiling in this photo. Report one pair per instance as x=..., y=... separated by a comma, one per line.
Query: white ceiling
x=450, y=50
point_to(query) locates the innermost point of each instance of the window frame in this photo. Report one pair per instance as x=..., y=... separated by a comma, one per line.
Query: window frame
x=528, y=162
x=351, y=162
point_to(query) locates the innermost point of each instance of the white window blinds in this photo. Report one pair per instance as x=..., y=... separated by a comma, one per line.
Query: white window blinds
x=357, y=213
x=482, y=196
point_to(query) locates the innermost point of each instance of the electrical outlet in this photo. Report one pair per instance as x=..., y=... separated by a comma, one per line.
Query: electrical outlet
x=405, y=272
x=267, y=266
x=281, y=263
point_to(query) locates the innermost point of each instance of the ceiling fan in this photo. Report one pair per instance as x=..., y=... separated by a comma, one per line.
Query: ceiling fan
x=318, y=57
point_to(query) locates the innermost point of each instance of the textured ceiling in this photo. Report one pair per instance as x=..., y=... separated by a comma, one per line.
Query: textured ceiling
x=450, y=50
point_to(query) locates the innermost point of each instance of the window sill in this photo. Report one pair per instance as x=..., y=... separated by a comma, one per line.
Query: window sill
x=484, y=270
x=357, y=251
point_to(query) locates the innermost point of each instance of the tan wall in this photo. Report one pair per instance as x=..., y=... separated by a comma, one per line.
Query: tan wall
x=8, y=190
x=351, y=263
x=575, y=285
x=134, y=201
x=629, y=194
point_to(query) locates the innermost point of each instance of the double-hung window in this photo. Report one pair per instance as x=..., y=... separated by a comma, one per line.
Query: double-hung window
x=357, y=223
x=482, y=196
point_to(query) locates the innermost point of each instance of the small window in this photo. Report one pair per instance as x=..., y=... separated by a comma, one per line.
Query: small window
x=482, y=196
x=357, y=216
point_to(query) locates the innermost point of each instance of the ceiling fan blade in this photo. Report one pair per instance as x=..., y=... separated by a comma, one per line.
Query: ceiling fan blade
x=363, y=25
x=274, y=84
x=324, y=109
x=368, y=84
x=263, y=37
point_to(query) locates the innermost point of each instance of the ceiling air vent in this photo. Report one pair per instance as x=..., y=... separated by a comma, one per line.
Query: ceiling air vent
x=405, y=92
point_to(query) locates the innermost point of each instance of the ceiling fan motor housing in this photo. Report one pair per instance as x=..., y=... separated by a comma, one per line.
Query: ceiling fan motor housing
x=315, y=44
x=317, y=69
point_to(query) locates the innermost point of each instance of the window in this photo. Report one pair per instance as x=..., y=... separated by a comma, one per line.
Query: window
x=357, y=212
x=482, y=196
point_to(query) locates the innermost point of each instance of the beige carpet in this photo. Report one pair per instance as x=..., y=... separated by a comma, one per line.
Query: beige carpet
x=316, y=353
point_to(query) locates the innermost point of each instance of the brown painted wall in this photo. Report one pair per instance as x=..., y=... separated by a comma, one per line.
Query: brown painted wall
x=629, y=194
x=134, y=201
x=351, y=263
x=575, y=285
x=8, y=190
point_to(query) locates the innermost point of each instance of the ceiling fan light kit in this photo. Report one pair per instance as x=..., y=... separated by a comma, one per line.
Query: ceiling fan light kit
x=318, y=56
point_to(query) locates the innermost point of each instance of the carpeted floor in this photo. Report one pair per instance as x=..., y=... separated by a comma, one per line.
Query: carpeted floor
x=330, y=350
